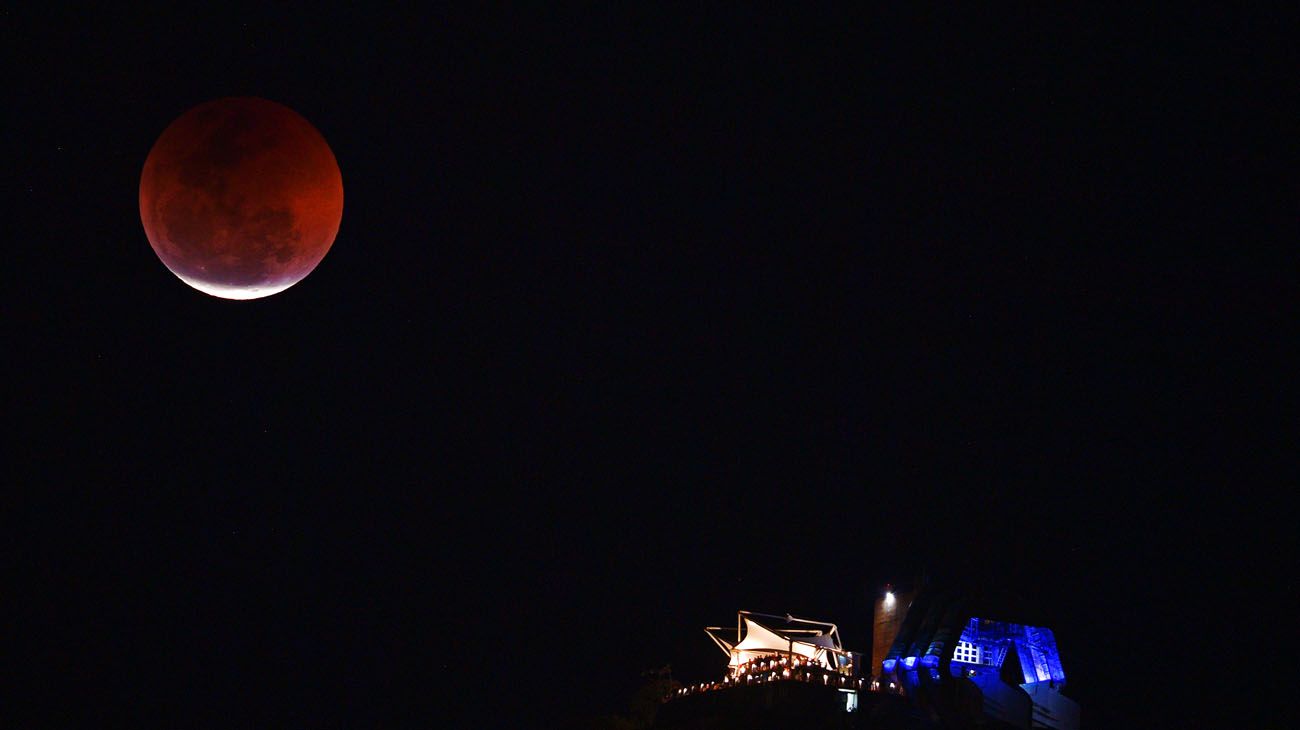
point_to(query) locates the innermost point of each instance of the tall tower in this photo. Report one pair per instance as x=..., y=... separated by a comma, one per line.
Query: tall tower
x=890, y=608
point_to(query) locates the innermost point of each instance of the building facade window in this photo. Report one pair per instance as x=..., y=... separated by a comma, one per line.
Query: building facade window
x=967, y=652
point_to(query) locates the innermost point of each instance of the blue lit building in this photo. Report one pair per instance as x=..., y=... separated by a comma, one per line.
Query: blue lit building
x=951, y=663
x=998, y=656
x=933, y=667
x=988, y=643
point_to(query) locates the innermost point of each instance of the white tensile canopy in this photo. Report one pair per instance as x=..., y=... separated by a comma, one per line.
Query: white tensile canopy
x=761, y=642
x=815, y=641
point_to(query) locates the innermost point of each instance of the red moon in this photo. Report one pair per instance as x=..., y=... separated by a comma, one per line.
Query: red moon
x=241, y=198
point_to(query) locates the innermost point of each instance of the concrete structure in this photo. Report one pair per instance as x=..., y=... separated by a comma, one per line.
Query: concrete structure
x=933, y=666
x=891, y=606
x=954, y=664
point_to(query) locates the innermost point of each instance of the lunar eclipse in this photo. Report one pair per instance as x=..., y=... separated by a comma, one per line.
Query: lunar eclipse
x=241, y=198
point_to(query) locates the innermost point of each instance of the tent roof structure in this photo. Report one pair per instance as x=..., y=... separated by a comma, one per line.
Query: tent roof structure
x=759, y=634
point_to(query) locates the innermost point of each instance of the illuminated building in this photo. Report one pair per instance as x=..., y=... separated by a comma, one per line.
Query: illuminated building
x=932, y=666
x=1011, y=673
x=890, y=609
x=763, y=638
x=781, y=672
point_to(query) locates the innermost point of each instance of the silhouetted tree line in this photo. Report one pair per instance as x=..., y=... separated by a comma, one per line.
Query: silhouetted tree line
x=643, y=706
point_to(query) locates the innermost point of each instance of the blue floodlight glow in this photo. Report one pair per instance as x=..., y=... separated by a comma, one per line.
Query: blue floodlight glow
x=930, y=660
x=888, y=665
x=909, y=663
x=1034, y=648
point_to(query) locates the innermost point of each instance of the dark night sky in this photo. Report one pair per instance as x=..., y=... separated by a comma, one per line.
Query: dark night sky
x=633, y=320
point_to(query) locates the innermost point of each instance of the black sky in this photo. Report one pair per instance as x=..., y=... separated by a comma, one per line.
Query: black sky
x=635, y=319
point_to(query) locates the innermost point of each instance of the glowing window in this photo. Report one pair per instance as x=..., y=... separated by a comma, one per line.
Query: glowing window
x=850, y=700
x=967, y=652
